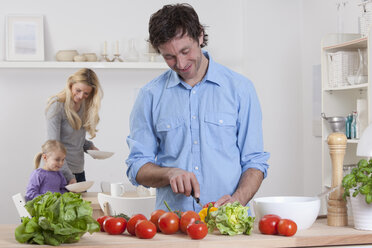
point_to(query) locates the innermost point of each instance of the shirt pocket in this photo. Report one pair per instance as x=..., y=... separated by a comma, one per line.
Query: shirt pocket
x=171, y=134
x=220, y=130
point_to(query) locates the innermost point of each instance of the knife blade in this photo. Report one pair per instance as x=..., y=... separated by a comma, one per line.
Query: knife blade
x=196, y=198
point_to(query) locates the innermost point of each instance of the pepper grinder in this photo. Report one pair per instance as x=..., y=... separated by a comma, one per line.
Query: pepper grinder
x=337, y=210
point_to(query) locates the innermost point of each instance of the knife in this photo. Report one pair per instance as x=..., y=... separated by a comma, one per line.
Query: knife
x=196, y=198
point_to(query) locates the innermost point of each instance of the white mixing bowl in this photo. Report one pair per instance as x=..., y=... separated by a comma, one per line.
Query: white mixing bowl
x=302, y=210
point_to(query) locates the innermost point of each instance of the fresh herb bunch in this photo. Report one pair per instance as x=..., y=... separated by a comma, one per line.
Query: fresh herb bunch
x=360, y=180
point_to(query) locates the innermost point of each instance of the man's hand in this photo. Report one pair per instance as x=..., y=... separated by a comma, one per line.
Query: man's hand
x=226, y=199
x=183, y=182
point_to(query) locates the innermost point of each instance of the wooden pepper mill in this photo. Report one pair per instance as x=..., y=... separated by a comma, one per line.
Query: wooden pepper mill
x=337, y=210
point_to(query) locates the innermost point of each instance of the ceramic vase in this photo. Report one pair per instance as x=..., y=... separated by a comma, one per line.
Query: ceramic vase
x=362, y=212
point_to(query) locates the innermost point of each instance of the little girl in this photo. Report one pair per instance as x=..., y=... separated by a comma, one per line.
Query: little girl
x=48, y=178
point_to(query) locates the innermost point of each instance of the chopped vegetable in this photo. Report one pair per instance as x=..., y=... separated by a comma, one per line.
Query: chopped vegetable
x=203, y=213
x=231, y=219
x=56, y=218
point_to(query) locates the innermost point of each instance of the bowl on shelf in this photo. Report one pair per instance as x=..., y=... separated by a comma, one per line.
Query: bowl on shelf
x=91, y=57
x=302, y=210
x=66, y=55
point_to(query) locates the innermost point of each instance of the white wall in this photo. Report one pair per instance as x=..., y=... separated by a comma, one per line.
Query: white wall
x=274, y=43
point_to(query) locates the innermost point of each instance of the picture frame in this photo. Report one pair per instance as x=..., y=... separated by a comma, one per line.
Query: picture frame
x=24, y=38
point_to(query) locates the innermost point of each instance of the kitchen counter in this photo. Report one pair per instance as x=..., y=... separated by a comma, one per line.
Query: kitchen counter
x=320, y=234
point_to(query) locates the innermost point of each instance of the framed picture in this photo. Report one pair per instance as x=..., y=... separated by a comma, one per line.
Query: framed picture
x=24, y=38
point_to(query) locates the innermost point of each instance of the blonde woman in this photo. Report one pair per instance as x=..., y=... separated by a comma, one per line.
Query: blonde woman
x=70, y=114
x=49, y=177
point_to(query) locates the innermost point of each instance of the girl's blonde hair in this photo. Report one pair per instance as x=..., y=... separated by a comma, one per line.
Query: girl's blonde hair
x=91, y=104
x=48, y=146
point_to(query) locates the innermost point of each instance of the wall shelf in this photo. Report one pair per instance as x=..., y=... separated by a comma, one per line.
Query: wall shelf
x=93, y=65
x=348, y=87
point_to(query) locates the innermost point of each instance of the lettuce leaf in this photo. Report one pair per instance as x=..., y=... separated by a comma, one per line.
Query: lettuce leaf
x=56, y=218
x=231, y=219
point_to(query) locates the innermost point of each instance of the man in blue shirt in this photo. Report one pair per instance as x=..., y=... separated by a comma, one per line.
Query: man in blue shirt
x=197, y=127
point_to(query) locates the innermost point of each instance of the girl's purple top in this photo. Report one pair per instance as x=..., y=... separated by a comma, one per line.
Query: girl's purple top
x=42, y=181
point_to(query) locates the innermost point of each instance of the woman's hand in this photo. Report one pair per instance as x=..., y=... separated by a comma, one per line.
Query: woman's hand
x=93, y=148
x=72, y=181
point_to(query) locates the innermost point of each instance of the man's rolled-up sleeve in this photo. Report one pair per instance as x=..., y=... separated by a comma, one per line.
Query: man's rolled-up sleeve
x=142, y=140
x=250, y=139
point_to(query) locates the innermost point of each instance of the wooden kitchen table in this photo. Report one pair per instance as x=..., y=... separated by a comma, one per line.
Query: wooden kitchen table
x=320, y=234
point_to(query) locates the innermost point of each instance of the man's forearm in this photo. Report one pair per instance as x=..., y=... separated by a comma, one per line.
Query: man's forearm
x=249, y=183
x=152, y=175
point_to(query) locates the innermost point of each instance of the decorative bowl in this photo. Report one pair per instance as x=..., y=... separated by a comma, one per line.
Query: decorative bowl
x=91, y=57
x=66, y=55
x=302, y=210
x=80, y=58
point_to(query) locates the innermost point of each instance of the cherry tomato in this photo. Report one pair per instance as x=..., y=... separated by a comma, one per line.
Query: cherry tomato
x=188, y=218
x=114, y=225
x=268, y=224
x=169, y=223
x=133, y=221
x=207, y=205
x=197, y=230
x=287, y=227
x=101, y=220
x=145, y=229
x=155, y=215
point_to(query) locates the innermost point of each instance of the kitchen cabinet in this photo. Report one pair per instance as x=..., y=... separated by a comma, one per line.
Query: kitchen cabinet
x=319, y=235
x=342, y=100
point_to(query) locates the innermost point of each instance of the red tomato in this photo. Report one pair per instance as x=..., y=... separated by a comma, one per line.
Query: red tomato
x=145, y=229
x=188, y=218
x=169, y=223
x=197, y=230
x=287, y=227
x=207, y=205
x=155, y=215
x=268, y=224
x=114, y=225
x=101, y=220
x=133, y=221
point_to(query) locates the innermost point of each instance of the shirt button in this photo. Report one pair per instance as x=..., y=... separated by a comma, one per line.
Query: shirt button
x=220, y=121
x=196, y=168
x=193, y=91
x=194, y=117
x=168, y=126
x=195, y=142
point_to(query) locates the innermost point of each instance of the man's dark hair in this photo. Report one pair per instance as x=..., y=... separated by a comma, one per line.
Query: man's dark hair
x=173, y=20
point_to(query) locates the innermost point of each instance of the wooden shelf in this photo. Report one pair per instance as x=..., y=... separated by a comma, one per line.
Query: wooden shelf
x=352, y=44
x=93, y=65
x=348, y=87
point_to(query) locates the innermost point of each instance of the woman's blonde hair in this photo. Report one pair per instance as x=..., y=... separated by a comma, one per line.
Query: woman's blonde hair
x=48, y=146
x=91, y=104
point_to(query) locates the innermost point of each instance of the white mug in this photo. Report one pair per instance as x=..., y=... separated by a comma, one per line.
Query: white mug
x=117, y=189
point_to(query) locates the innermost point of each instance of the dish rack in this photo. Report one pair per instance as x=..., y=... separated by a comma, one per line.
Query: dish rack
x=341, y=65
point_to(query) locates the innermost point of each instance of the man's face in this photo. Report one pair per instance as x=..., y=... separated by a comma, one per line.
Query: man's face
x=184, y=56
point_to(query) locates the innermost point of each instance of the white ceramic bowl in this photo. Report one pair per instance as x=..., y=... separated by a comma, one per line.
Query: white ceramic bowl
x=66, y=55
x=302, y=210
x=79, y=187
x=130, y=203
x=99, y=154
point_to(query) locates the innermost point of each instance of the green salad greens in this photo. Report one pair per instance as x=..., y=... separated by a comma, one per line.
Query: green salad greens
x=231, y=219
x=56, y=218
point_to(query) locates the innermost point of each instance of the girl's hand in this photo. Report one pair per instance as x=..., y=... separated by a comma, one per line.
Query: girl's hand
x=72, y=181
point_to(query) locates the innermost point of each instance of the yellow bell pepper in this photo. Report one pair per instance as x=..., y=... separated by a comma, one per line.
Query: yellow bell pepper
x=204, y=211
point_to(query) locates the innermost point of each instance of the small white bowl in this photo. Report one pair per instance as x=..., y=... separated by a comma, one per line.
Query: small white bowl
x=302, y=210
x=79, y=187
x=99, y=154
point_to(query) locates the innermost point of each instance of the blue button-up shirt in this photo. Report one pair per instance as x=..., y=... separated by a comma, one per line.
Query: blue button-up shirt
x=212, y=129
